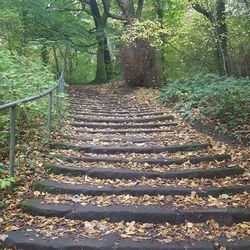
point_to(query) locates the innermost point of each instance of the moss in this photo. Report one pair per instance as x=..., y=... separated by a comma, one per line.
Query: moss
x=61, y=157
x=45, y=189
x=60, y=146
x=27, y=206
x=169, y=117
x=26, y=203
x=52, y=156
x=51, y=169
x=196, y=147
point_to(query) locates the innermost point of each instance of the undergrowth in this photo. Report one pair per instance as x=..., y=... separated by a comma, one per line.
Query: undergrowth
x=218, y=101
x=22, y=76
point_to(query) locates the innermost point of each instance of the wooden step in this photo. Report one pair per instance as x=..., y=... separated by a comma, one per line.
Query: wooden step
x=112, y=139
x=122, y=125
x=119, y=111
x=123, y=120
x=141, y=213
x=160, y=161
x=130, y=174
x=30, y=240
x=88, y=148
x=124, y=131
x=118, y=114
x=54, y=187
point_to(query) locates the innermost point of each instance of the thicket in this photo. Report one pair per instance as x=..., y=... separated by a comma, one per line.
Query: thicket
x=222, y=102
x=20, y=77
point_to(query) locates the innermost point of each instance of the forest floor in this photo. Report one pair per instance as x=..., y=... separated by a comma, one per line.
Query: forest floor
x=128, y=173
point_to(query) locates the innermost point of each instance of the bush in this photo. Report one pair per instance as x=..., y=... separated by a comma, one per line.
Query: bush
x=138, y=64
x=241, y=62
x=22, y=77
x=224, y=101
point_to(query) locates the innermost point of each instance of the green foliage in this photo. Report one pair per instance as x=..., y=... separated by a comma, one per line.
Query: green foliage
x=224, y=101
x=189, y=40
x=144, y=30
x=81, y=70
x=21, y=77
x=5, y=182
x=11, y=27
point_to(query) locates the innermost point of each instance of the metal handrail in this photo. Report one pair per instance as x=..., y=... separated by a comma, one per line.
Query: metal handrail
x=13, y=105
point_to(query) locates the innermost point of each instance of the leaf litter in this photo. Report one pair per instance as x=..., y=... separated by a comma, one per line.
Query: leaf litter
x=192, y=201
x=13, y=219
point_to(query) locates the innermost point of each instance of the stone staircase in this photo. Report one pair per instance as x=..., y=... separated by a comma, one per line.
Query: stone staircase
x=130, y=175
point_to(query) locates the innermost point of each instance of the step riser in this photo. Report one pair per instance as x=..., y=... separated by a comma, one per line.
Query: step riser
x=61, y=188
x=116, y=111
x=102, y=103
x=121, y=126
x=127, y=174
x=113, y=114
x=112, y=107
x=124, y=139
x=143, y=214
x=124, y=132
x=106, y=102
x=125, y=120
x=160, y=162
x=130, y=149
x=30, y=241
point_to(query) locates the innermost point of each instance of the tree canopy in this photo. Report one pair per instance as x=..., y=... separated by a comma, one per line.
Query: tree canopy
x=193, y=35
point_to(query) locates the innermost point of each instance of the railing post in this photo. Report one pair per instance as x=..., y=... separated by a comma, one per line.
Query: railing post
x=49, y=117
x=58, y=104
x=12, y=141
x=59, y=91
x=62, y=83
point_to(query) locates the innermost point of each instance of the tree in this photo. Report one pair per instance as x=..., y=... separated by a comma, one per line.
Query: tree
x=137, y=59
x=218, y=20
x=103, y=53
x=56, y=27
x=130, y=13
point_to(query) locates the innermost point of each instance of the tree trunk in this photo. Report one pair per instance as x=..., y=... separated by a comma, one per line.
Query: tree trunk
x=128, y=10
x=103, y=54
x=108, y=60
x=25, y=26
x=221, y=33
x=45, y=54
x=101, y=74
x=159, y=7
x=218, y=21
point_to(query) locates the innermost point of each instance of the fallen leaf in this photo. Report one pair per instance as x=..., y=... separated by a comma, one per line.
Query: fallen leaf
x=3, y=237
x=36, y=193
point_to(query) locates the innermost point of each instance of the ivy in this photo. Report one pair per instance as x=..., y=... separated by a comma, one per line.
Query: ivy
x=224, y=101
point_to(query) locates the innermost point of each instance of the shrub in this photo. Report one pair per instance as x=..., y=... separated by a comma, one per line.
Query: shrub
x=224, y=101
x=241, y=62
x=138, y=64
x=21, y=77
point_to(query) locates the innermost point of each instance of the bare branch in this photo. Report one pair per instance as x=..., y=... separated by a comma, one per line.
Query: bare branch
x=203, y=11
x=106, y=9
